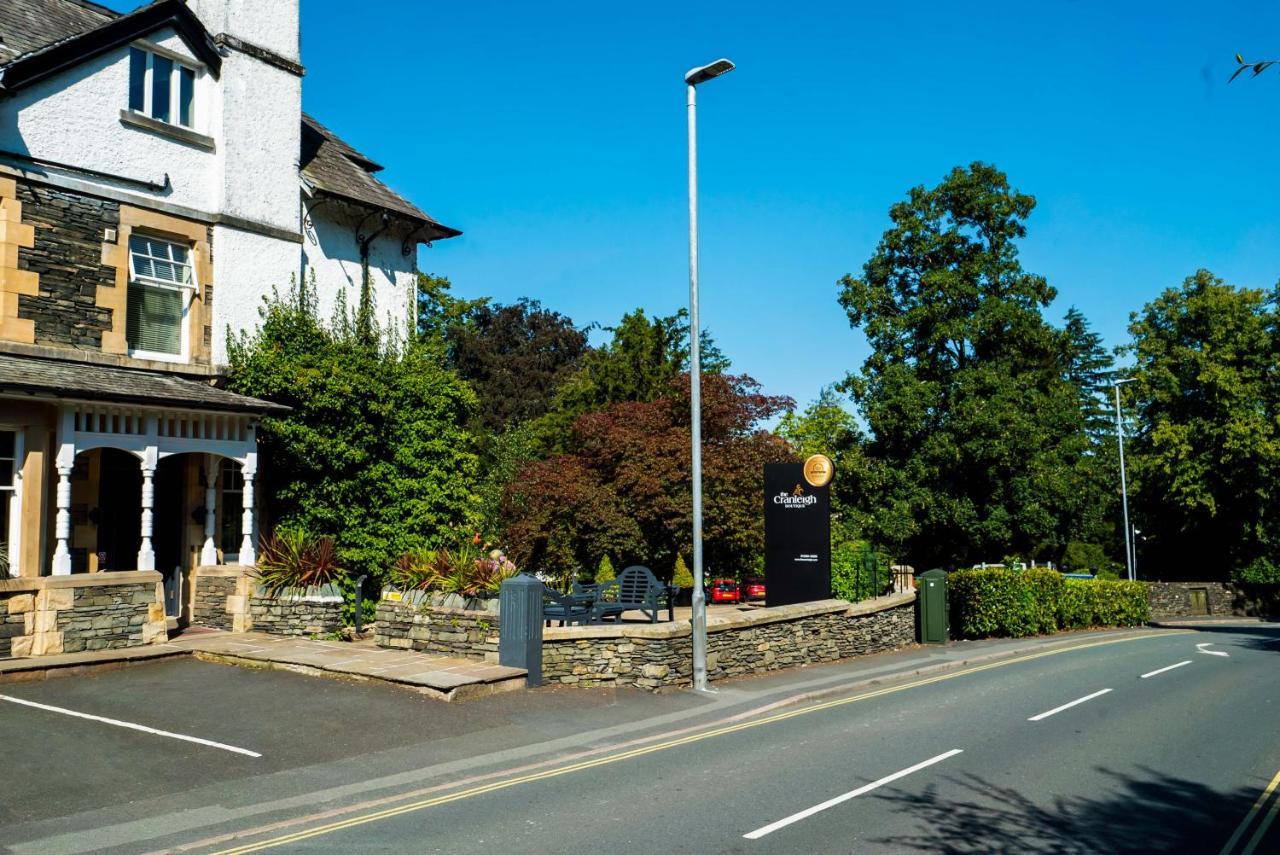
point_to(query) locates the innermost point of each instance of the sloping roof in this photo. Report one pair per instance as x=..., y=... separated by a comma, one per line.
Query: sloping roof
x=75, y=48
x=34, y=375
x=337, y=169
x=31, y=24
x=41, y=37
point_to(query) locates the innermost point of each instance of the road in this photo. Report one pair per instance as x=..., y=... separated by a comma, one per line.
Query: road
x=1150, y=742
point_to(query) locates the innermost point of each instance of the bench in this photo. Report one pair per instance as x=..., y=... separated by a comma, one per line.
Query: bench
x=635, y=589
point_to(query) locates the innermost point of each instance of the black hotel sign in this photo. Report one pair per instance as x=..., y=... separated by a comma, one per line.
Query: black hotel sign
x=797, y=534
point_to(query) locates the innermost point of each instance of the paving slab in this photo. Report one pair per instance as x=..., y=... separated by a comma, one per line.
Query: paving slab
x=445, y=677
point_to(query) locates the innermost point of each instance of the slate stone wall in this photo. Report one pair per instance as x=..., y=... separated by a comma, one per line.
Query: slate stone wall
x=210, y=602
x=666, y=663
x=658, y=656
x=108, y=617
x=450, y=632
x=1173, y=599
x=285, y=616
x=72, y=614
x=69, y=231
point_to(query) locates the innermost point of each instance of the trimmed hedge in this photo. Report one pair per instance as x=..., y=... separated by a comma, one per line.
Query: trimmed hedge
x=1015, y=603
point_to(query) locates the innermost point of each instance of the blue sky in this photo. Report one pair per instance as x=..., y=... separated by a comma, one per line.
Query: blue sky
x=553, y=135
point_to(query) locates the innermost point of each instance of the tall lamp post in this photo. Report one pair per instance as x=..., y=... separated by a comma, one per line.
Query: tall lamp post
x=1124, y=486
x=699, y=601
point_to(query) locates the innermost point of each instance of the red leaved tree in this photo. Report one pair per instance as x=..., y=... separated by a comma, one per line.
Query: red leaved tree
x=623, y=489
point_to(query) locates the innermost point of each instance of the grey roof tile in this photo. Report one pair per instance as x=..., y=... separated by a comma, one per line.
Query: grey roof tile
x=35, y=375
x=26, y=25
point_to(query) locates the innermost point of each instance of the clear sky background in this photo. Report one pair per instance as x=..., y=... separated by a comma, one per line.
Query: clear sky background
x=553, y=134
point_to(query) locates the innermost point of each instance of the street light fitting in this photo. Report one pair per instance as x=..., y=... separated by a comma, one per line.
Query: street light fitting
x=1123, y=380
x=706, y=72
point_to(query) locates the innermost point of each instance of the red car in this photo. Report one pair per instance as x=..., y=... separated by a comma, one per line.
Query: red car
x=753, y=588
x=724, y=591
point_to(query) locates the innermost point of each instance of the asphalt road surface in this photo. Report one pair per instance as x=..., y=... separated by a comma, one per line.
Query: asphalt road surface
x=1158, y=742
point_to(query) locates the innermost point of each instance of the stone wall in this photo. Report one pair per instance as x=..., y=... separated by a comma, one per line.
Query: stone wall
x=295, y=616
x=463, y=633
x=68, y=614
x=209, y=601
x=1173, y=599
x=659, y=656
x=67, y=256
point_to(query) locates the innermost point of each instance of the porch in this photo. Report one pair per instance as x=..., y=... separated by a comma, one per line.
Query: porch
x=108, y=469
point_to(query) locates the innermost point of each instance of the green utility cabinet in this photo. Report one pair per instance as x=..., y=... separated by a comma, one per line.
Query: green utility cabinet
x=931, y=606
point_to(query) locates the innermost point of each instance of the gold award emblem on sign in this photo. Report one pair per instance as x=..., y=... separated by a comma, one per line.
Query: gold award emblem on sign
x=818, y=470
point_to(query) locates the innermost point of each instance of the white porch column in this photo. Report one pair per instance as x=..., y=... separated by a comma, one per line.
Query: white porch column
x=147, y=555
x=209, y=552
x=65, y=461
x=62, y=553
x=249, y=468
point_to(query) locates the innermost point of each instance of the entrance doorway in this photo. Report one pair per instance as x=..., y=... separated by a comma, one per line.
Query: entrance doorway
x=119, y=510
x=166, y=538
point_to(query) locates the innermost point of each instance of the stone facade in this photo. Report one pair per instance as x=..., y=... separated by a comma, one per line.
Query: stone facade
x=69, y=614
x=295, y=616
x=67, y=257
x=464, y=633
x=1173, y=599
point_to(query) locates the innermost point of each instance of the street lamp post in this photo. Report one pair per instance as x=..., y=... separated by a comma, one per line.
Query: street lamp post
x=1124, y=487
x=699, y=600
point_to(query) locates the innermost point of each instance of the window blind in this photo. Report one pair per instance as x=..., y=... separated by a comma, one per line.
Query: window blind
x=154, y=318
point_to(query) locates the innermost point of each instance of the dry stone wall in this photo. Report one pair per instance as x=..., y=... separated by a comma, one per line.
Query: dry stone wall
x=761, y=641
x=1174, y=599
x=295, y=616
x=209, y=602
x=464, y=633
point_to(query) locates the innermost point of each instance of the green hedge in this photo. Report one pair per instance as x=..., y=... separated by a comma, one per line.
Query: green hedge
x=1015, y=603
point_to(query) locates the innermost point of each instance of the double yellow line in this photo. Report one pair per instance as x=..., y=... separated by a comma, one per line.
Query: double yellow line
x=662, y=746
x=1267, y=819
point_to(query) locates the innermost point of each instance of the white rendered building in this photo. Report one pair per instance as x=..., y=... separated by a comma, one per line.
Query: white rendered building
x=157, y=179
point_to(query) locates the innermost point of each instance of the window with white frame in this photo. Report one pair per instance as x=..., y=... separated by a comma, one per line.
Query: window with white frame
x=8, y=502
x=161, y=286
x=162, y=88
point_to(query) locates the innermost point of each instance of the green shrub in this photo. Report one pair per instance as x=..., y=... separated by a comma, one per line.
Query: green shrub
x=1045, y=587
x=858, y=571
x=1014, y=603
x=1259, y=571
x=605, y=572
x=681, y=577
x=991, y=602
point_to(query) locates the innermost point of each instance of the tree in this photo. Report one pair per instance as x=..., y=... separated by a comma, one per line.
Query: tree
x=641, y=361
x=1257, y=67
x=622, y=488
x=826, y=427
x=1090, y=367
x=513, y=356
x=976, y=434
x=1207, y=455
x=440, y=315
x=374, y=451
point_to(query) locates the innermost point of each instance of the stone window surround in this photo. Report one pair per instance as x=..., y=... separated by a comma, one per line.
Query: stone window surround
x=116, y=254
x=14, y=235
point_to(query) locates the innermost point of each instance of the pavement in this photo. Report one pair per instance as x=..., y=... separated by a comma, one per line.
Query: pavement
x=931, y=749
x=440, y=677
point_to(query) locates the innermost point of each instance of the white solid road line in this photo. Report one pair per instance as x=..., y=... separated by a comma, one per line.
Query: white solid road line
x=1201, y=648
x=1057, y=710
x=1165, y=668
x=830, y=803
x=131, y=726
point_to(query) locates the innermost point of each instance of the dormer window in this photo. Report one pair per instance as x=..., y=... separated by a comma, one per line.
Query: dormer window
x=161, y=287
x=162, y=87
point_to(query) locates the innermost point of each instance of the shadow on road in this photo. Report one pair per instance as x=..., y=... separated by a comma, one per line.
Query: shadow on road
x=1150, y=813
x=1255, y=637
